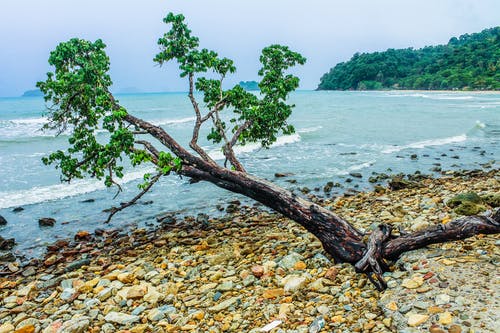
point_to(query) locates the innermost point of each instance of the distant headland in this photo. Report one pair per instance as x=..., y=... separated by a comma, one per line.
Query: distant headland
x=32, y=93
x=469, y=62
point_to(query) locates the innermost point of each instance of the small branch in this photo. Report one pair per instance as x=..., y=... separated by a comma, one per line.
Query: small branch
x=149, y=147
x=113, y=181
x=124, y=205
x=227, y=149
x=196, y=130
x=238, y=132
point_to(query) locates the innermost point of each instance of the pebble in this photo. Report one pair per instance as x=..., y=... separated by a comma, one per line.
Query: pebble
x=121, y=318
x=417, y=319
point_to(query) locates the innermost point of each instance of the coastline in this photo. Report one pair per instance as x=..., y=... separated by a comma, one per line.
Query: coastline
x=251, y=268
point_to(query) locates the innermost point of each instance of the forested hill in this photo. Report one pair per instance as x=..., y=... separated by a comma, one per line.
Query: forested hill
x=471, y=61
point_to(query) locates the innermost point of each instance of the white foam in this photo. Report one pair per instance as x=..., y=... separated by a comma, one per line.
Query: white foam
x=248, y=148
x=169, y=121
x=426, y=143
x=22, y=128
x=59, y=191
x=310, y=129
x=479, y=124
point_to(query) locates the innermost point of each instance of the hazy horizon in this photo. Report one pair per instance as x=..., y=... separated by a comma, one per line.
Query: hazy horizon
x=325, y=32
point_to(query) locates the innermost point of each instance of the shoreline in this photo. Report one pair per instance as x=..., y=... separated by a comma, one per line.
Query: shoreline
x=421, y=91
x=207, y=277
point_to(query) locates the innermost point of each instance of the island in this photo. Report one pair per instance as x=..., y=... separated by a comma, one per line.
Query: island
x=469, y=62
x=249, y=85
x=32, y=93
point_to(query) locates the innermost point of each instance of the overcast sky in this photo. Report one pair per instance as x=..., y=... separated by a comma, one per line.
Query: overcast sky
x=324, y=31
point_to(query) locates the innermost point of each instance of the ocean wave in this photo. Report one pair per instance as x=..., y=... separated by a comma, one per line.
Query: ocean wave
x=26, y=128
x=431, y=96
x=310, y=129
x=59, y=191
x=170, y=121
x=23, y=127
x=426, y=143
x=281, y=141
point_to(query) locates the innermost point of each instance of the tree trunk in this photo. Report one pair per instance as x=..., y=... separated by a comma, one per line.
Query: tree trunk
x=339, y=238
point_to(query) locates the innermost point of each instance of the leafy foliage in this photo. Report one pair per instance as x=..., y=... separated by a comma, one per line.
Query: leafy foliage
x=80, y=103
x=267, y=115
x=471, y=61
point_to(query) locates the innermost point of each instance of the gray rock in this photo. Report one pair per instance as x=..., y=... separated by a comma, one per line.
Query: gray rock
x=3, y=221
x=317, y=325
x=288, y=261
x=224, y=305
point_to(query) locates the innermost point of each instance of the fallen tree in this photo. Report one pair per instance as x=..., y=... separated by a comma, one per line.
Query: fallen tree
x=81, y=102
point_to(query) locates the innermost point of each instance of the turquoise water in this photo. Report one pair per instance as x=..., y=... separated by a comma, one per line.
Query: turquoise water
x=337, y=133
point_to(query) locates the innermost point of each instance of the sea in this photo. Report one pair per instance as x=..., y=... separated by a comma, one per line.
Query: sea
x=337, y=134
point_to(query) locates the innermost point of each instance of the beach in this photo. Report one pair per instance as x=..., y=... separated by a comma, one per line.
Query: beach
x=254, y=271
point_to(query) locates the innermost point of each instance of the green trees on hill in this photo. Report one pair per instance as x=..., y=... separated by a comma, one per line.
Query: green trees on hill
x=471, y=61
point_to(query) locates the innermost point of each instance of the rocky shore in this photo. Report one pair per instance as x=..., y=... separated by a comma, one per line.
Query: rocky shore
x=255, y=271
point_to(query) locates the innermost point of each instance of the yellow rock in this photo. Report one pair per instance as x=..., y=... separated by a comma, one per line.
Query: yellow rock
x=111, y=276
x=387, y=322
x=273, y=293
x=137, y=292
x=446, y=219
x=447, y=262
x=445, y=318
x=413, y=283
x=139, y=328
x=300, y=265
x=199, y=315
x=126, y=277
x=417, y=319
x=392, y=306
x=434, y=309
x=338, y=319
x=26, y=329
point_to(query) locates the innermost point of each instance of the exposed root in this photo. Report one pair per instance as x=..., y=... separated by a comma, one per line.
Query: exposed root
x=372, y=263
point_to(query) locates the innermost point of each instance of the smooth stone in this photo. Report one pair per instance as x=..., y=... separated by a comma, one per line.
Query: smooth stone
x=445, y=318
x=293, y=283
x=317, y=325
x=75, y=325
x=288, y=261
x=442, y=299
x=7, y=328
x=121, y=318
x=417, y=319
x=224, y=304
x=67, y=293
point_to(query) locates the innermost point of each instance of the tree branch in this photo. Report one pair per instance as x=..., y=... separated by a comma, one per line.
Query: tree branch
x=459, y=229
x=124, y=205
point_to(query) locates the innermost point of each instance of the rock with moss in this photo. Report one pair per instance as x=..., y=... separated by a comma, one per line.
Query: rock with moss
x=492, y=200
x=461, y=198
x=469, y=208
x=469, y=203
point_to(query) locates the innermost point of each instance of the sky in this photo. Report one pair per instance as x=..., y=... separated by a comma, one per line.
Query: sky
x=324, y=31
